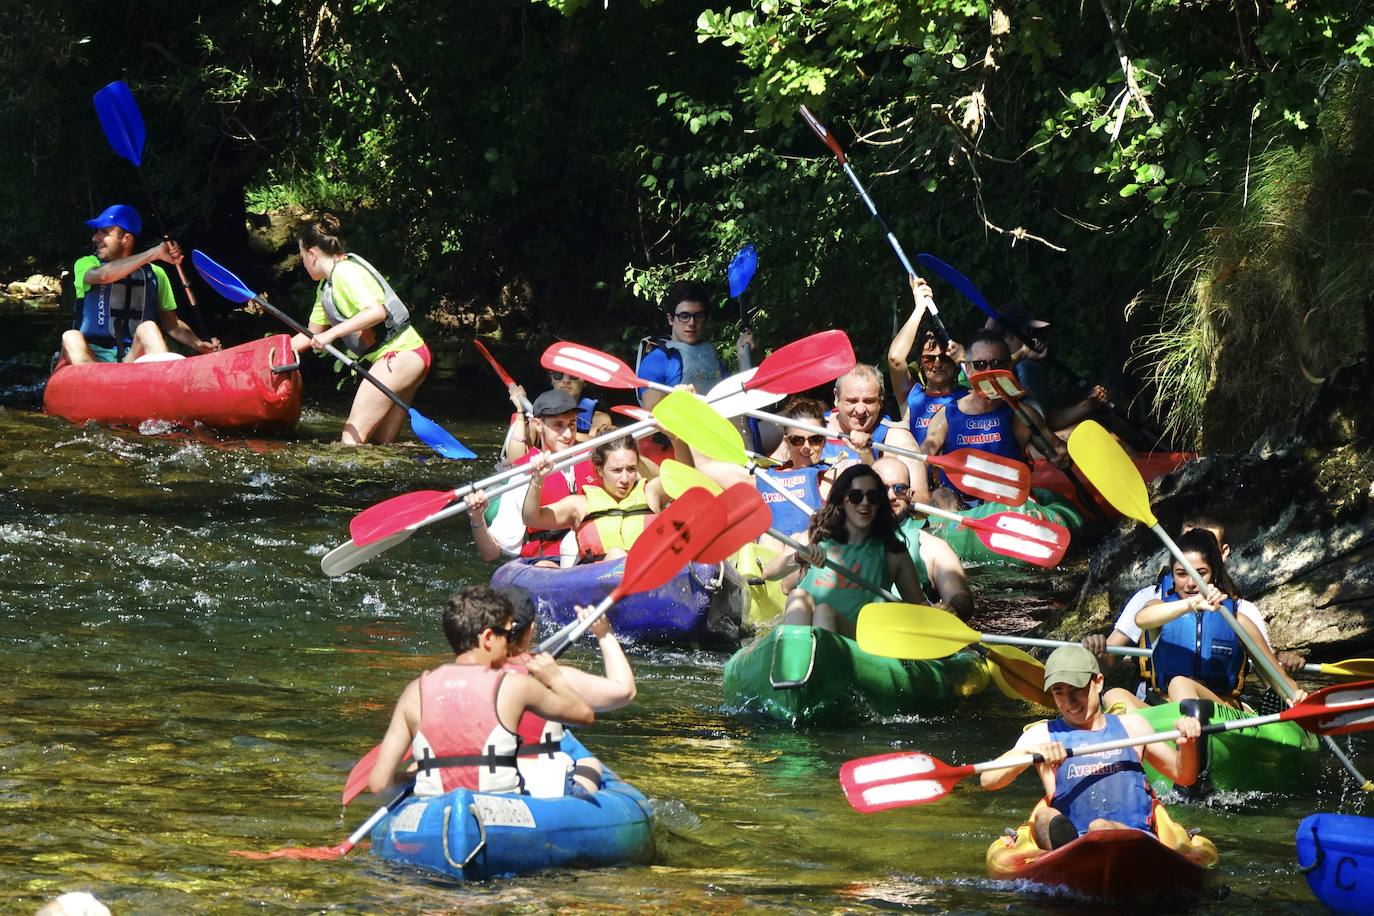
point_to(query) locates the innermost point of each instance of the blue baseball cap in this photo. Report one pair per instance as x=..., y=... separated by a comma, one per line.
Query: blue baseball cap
x=121, y=215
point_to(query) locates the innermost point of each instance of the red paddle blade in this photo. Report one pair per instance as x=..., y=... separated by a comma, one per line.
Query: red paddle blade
x=294, y=852
x=893, y=780
x=593, y=365
x=996, y=383
x=358, y=776
x=1033, y=540
x=805, y=363
x=502, y=374
x=985, y=475
x=1338, y=710
x=671, y=541
x=634, y=413
x=746, y=517
x=396, y=514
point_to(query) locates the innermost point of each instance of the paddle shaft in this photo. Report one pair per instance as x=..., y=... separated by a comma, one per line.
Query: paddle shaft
x=561, y=641
x=1267, y=668
x=1084, y=496
x=847, y=573
x=503, y=375
x=356, y=836
x=181, y=270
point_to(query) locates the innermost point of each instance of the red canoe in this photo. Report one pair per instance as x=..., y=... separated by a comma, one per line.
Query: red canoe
x=1114, y=865
x=1149, y=464
x=253, y=387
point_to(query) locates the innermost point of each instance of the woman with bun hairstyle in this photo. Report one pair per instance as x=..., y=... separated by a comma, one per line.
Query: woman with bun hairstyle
x=356, y=308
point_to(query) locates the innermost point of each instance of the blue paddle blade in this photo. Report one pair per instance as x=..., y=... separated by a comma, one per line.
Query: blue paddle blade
x=960, y=282
x=438, y=438
x=225, y=283
x=742, y=270
x=121, y=120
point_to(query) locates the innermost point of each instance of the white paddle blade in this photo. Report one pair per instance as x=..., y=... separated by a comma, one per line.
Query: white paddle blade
x=1358, y=701
x=994, y=489
x=895, y=767
x=585, y=363
x=1033, y=540
x=730, y=399
x=348, y=554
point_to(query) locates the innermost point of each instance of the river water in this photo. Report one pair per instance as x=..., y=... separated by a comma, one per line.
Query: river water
x=180, y=681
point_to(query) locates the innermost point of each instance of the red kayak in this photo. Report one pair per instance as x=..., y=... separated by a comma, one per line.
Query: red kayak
x=254, y=387
x=1149, y=464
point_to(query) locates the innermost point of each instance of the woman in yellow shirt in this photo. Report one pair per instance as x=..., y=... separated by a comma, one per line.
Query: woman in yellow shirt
x=357, y=308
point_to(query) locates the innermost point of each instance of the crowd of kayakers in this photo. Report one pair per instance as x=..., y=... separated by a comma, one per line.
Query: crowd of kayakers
x=856, y=489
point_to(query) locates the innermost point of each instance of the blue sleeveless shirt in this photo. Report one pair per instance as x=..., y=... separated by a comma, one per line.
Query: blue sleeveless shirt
x=921, y=408
x=803, y=483
x=1108, y=784
x=993, y=432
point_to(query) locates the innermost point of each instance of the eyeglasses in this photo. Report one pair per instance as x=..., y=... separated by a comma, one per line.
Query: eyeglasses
x=561, y=377
x=899, y=488
x=983, y=365
x=935, y=360
x=874, y=497
x=689, y=317
x=799, y=441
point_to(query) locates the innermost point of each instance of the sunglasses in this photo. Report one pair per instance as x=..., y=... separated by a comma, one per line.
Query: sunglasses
x=900, y=489
x=874, y=497
x=501, y=631
x=983, y=365
x=935, y=360
x=689, y=317
x=799, y=441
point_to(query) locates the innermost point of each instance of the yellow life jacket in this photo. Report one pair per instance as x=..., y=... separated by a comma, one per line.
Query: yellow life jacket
x=609, y=524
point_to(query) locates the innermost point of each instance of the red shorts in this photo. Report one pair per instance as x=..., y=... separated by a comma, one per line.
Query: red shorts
x=421, y=351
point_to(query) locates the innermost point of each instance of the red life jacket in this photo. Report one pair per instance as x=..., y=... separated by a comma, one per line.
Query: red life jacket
x=461, y=743
x=538, y=541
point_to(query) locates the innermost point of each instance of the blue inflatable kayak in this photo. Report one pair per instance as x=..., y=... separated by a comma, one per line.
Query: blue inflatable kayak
x=480, y=835
x=703, y=603
x=1336, y=854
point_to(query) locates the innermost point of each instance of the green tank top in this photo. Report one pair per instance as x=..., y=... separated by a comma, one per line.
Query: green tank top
x=910, y=532
x=868, y=560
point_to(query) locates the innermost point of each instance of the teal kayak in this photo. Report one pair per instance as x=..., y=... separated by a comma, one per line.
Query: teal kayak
x=1281, y=757
x=800, y=674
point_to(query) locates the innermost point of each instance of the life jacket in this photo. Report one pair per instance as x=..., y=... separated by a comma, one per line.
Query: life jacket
x=921, y=408
x=994, y=431
x=839, y=453
x=701, y=365
x=461, y=743
x=365, y=341
x=542, y=762
x=586, y=411
x=1107, y=784
x=609, y=524
x=1199, y=645
x=540, y=542
x=111, y=311
x=803, y=483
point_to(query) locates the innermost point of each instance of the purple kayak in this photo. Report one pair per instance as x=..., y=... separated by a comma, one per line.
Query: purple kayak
x=703, y=604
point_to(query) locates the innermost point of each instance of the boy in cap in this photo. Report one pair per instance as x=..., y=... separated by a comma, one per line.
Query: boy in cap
x=1106, y=790
x=125, y=300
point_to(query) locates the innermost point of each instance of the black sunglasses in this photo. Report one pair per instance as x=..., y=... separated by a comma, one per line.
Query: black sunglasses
x=874, y=497
x=502, y=631
x=686, y=317
x=983, y=365
x=899, y=488
x=799, y=441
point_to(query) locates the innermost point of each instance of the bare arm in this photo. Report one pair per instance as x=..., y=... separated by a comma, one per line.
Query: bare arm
x=301, y=342
x=119, y=268
x=172, y=326
x=546, y=692
x=487, y=548
x=902, y=571
x=1180, y=762
x=397, y=740
x=946, y=574
x=617, y=688
x=566, y=513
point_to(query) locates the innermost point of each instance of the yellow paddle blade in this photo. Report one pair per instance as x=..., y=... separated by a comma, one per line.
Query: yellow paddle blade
x=693, y=421
x=1351, y=667
x=1102, y=460
x=678, y=478
x=899, y=630
x=1019, y=676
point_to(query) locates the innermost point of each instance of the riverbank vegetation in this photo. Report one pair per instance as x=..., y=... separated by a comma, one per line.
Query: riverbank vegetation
x=556, y=162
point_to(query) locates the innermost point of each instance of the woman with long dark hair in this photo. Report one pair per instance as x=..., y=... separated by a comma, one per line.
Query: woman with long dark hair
x=856, y=530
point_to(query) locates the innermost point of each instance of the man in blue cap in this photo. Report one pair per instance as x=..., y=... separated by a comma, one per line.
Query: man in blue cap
x=125, y=301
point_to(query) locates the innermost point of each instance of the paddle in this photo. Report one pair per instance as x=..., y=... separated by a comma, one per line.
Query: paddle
x=797, y=366
x=1019, y=675
x=913, y=778
x=1147, y=438
x=740, y=272
x=233, y=289
x=123, y=125
x=829, y=140
x=1351, y=667
x=1116, y=478
x=332, y=852
x=503, y=375
x=1002, y=385
x=914, y=631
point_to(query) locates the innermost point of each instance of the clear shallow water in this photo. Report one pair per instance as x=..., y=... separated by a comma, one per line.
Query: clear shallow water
x=179, y=681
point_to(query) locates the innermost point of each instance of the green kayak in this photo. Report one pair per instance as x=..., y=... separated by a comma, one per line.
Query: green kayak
x=800, y=674
x=1282, y=757
x=1044, y=504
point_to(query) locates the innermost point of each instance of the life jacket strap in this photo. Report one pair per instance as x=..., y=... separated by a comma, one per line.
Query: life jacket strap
x=492, y=761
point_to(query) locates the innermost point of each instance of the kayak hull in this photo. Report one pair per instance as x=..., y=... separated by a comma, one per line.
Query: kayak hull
x=1281, y=757
x=1338, y=850
x=234, y=390
x=965, y=543
x=1109, y=865
x=804, y=675
x=1150, y=465
x=474, y=836
x=704, y=603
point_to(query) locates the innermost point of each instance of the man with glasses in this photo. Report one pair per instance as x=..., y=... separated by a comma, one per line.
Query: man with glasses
x=942, y=575
x=1028, y=363
x=687, y=357
x=462, y=720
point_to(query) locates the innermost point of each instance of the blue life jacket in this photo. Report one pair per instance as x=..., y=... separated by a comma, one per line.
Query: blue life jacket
x=994, y=431
x=803, y=483
x=921, y=408
x=837, y=449
x=111, y=311
x=586, y=408
x=1199, y=645
x=1107, y=784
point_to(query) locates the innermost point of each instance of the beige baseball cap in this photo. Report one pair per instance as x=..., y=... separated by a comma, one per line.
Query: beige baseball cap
x=1072, y=665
